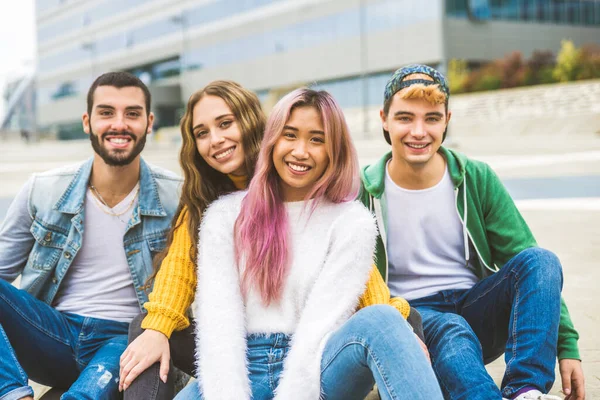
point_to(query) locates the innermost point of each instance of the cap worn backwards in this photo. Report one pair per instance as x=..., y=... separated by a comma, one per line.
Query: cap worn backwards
x=397, y=83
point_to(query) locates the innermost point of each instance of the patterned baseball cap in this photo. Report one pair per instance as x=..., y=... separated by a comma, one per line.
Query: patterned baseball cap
x=397, y=83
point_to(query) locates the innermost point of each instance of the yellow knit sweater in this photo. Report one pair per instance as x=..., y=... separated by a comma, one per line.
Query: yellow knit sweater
x=175, y=284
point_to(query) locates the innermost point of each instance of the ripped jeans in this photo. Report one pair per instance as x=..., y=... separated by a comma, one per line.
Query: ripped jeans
x=68, y=351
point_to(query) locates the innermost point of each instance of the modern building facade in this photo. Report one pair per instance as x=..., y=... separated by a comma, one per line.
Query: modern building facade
x=19, y=98
x=348, y=47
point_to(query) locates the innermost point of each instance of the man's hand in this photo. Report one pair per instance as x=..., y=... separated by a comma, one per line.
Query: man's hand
x=571, y=374
x=148, y=348
x=424, y=348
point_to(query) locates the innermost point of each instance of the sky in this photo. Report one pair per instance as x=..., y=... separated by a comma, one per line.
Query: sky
x=17, y=41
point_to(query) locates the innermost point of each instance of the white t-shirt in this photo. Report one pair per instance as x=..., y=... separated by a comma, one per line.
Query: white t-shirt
x=425, y=240
x=98, y=283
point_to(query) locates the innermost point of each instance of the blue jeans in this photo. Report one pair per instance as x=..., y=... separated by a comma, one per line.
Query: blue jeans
x=56, y=349
x=516, y=311
x=376, y=345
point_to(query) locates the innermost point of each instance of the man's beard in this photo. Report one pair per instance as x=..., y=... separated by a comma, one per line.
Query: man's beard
x=117, y=158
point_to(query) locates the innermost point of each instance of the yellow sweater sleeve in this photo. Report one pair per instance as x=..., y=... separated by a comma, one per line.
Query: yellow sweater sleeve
x=174, y=286
x=377, y=292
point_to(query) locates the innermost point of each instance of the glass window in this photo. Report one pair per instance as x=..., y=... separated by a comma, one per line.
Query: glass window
x=456, y=8
x=571, y=12
x=49, y=93
x=166, y=69
x=347, y=92
x=479, y=9
x=376, y=85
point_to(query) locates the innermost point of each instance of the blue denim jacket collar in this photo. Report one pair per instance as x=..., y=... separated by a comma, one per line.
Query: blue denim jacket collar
x=72, y=200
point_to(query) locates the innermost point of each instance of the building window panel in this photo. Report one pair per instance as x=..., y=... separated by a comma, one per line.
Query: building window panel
x=570, y=12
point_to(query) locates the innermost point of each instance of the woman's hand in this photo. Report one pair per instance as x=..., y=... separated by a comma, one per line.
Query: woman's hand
x=148, y=348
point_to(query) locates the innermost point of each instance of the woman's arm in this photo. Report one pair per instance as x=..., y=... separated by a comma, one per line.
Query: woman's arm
x=219, y=309
x=332, y=300
x=175, y=285
x=377, y=292
x=171, y=296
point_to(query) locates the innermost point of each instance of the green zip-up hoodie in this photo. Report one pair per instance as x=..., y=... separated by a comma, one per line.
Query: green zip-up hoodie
x=494, y=225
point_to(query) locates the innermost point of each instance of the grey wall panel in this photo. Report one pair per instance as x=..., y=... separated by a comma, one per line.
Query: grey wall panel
x=63, y=110
x=491, y=40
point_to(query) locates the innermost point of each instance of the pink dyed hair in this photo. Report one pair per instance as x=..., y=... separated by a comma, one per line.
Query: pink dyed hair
x=261, y=229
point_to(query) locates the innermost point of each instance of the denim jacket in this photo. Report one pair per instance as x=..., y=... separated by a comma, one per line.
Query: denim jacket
x=42, y=242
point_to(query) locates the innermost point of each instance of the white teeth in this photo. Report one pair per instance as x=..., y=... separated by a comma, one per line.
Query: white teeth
x=299, y=168
x=224, y=154
x=118, y=140
x=417, y=146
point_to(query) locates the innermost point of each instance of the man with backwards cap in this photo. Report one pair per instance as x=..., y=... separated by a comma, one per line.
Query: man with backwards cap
x=455, y=246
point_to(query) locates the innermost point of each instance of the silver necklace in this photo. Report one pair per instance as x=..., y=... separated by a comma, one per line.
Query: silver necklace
x=107, y=209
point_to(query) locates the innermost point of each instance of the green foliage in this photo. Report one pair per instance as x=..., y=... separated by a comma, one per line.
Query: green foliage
x=490, y=81
x=539, y=68
x=458, y=74
x=542, y=67
x=512, y=70
x=568, y=62
x=590, y=62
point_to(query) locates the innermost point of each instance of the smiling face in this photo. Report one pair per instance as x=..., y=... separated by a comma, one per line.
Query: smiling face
x=416, y=128
x=218, y=135
x=118, y=124
x=300, y=153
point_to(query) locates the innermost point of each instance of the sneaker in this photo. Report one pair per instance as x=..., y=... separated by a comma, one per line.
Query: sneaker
x=536, y=395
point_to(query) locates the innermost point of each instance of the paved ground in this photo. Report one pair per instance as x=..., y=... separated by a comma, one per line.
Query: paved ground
x=555, y=182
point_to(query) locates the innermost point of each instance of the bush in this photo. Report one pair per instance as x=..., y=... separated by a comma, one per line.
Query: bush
x=512, y=69
x=488, y=82
x=488, y=77
x=458, y=74
x=590, y=62
x=539, y=68
x=568, y=62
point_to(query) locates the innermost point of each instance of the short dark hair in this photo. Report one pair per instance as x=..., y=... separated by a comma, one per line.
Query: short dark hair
x=118, y=80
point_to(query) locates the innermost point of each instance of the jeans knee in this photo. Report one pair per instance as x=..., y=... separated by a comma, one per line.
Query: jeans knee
x=378, y=319
x=542, y=264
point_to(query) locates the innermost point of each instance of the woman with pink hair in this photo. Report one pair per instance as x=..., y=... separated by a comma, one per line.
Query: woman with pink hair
x=280, y=271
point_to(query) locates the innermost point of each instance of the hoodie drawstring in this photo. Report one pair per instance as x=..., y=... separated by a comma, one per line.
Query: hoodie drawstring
x=465, y=232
